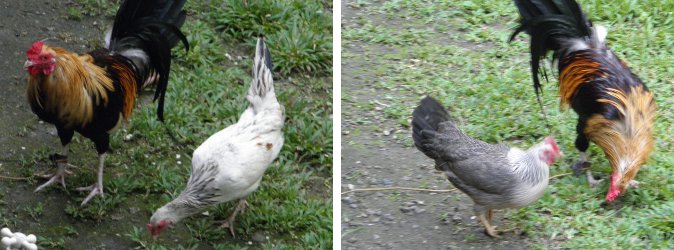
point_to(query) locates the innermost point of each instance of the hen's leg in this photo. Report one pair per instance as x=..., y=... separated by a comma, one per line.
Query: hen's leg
x=229, y=223
x=97, y=188
x=485, y=218
x=489, y=229
x=61, y=161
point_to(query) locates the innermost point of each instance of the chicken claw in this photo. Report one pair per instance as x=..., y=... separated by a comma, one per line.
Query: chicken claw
x=61, y=172
x=578, y=167
x=488, y=228
x=591, y=180
x=229, y=223
x=96, y=189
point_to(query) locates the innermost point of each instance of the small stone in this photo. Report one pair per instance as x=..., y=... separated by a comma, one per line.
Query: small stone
x=407, y=209
x=457, y=218
x=375, y=219
x=418, y=210
x=415, y=226
x=205, y=213
x=177, y=156
x=350, y=186
x=134, y=210
x=375, y=237
x=379, y=194
x=259, y=237
x=354, y=206
x=387, y=182
x=389, y=217
x=387, y=132
x=352, y=240
x=347, y=200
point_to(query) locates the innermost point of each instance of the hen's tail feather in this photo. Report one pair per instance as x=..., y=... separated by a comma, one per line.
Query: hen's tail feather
x=145, y=31
x=263, y=82
x=550, y=23
x=426, y=120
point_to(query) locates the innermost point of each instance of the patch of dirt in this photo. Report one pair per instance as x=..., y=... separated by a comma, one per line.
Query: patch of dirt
x=377, y=153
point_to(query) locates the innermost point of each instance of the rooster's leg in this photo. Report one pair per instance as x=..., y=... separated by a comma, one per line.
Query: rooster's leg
x=490, y=213
x=490, y=230
x=97, y=188
x=229, y=223
x=61, y=172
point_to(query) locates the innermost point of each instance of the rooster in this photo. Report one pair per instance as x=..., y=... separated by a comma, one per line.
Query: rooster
x=494, y=176
x=94, y=92
x=615, y=109
x=230, y=164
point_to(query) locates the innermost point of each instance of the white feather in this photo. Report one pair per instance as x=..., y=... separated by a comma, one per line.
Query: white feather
x=600, y=32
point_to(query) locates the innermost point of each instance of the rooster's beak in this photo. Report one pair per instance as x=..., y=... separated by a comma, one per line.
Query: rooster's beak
x=28, y=63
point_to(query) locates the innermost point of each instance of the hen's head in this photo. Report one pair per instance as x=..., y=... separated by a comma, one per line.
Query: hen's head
x=549, y=151
x=41, y=60
x=160, y=220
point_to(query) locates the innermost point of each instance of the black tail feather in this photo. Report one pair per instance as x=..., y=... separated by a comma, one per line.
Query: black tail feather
x=549, y=23
x=152, y=26
x=427, y=117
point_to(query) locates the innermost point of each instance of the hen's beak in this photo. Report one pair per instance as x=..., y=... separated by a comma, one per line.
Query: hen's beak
x=28, y=63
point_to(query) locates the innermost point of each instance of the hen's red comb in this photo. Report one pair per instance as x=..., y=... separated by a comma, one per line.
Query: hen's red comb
x=35, y=50
x=551, y=140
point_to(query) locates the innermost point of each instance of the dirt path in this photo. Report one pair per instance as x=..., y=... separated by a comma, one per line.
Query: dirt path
x=377, y=152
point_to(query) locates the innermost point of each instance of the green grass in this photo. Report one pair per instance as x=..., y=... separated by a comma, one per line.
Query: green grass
x=457, y=51
x=150, y=161
x=300, y=31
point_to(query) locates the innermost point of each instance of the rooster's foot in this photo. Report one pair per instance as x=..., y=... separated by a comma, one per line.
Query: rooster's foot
x=591, y=180
x=59, y=177
x=96, y=189
x=578, y=167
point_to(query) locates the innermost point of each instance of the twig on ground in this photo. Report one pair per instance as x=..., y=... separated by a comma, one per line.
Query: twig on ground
x=13, y=178
x=401, y=188
x=560, y=175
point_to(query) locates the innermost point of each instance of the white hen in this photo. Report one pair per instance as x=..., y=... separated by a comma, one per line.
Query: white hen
x=229, y=165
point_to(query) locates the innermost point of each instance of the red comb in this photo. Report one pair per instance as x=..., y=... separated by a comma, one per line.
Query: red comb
x=550, y=140
x=35, y=50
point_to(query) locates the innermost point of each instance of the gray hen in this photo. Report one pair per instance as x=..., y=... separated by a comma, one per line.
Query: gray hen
x=494, y=176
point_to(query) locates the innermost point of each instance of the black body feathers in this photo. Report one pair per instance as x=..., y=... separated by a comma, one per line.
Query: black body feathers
x=550, y=23
x=152, y=26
